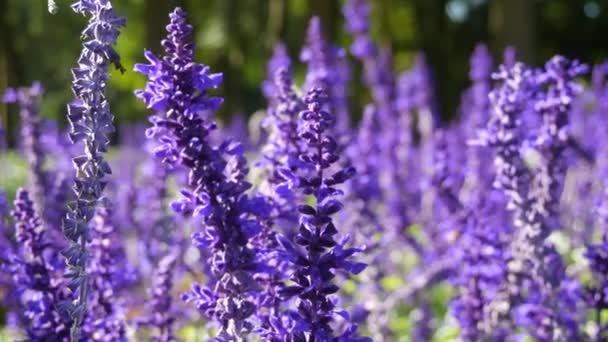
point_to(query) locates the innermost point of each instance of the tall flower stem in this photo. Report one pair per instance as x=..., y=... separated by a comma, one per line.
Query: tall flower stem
x=216, y=187
x=533, y=193
x=90, y=122
x=31, y=129
x=321, y=254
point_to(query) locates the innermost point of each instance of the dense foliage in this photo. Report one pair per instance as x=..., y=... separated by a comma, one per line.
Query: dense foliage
x=401, y=226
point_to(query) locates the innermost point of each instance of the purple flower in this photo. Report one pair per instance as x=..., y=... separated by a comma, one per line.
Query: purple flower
x=551, y=319
x=160, y=243
x=533, y=192
x=357, y=14
x=31, y=133
x=400, y=170
x=109, y=274
x=177, y=89
x=504, y=136
x=161, y=316
x=40, y=144
x=475, y=116
x=444, y=179
x=327, y=68
x=90, y=122
x=319, y=255
x=509, y=58
x=280, y=60
x=283, y=146
x=482, y=249
x=41, y=292
x=365, y=193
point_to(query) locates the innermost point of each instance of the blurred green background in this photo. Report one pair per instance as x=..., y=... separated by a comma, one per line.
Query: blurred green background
x=236, y=37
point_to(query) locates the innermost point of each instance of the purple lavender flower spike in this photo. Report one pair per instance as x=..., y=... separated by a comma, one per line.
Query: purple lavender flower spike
x=31, y=132
x=365, y=192
x=398, y=154
x=319, y=254
x=475, y=118
x=284, y=147
x=318, y=54
x=483, y=266
x=108, y=275
x=40, y=143
x=41, y=291
x=280, y=60
x=357, y=14
x=327, y=68
x=483, y=242
x=161, y=316
x=426, y=114
x=177, y=90
x=90, y=122
x=160, y=245
x=377, y=63
x=282, y=163
x=152, y=197
x=538, y=318
x=509, y=57
x=504, y=135
x=533, y=193
x=381, y=81
x=444, y=180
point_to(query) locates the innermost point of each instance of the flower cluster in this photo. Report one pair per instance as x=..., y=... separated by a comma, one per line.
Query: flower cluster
x=177, y=90
x=39, y=284
x=476, y=107
x=322, y=255
x=284, y=147
x=90, y=122
x=162, y=316
x=108, y=274
x=29, y=103
x=533, y=191
x=280, y=60
x=486, y=213
x=328, y=69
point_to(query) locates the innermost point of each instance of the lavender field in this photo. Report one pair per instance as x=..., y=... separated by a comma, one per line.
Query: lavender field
x=312, y=219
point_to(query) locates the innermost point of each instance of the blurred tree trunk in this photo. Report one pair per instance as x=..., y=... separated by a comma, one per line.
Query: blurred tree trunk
x=511, y=22
x=431, y=32
x=384, y=8
x=231, y=63
x=12, y=69
x=329, y=12
x=277, y=12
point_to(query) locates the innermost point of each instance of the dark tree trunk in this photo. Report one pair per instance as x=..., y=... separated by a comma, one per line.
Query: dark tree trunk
x=156, y=18
x=331, y=18
x=511, y=22
x=432, y=32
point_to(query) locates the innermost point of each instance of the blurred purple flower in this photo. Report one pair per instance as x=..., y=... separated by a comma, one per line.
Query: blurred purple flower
x=109, y=274
x=40, y=288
